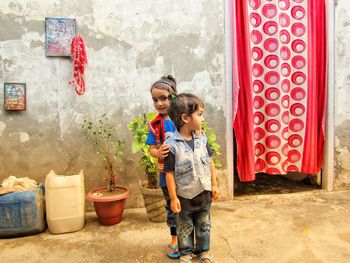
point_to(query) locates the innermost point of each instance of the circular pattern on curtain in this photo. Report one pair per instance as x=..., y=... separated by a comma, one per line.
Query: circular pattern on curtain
x=278, y=34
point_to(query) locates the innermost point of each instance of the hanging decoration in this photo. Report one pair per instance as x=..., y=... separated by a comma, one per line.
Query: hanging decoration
x=79, y=59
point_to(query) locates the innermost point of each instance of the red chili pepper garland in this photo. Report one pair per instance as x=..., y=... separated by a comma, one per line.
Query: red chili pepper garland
x=78, y=56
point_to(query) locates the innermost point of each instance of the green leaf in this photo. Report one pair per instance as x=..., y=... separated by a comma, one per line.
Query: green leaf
x=217, y=163
x=136, y=147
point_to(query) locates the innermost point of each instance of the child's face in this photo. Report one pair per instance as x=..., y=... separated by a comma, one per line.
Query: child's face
x=161, y=101
x=197, y=119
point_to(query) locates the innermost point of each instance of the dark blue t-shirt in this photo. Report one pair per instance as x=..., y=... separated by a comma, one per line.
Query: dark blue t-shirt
x=169, y=128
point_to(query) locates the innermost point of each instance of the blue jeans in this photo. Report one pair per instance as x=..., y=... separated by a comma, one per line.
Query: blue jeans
x=170, y=215
x=197, y=222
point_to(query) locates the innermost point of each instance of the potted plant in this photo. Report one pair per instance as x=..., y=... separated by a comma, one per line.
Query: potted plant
x=152, y=195
x=211, y=136
x=108, y=200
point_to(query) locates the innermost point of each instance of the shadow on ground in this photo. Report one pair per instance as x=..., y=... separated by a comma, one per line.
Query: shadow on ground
x=274, y=184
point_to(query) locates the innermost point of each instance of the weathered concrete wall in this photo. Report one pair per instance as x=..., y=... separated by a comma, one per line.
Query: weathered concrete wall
x=342, y=95
x=130, y=44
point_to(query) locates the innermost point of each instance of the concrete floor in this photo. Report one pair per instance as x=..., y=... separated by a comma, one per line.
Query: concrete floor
x=305, y=227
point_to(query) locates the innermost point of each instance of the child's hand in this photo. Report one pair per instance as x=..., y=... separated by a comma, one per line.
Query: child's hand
x=175, y=205
x=214, y=192
x=163, y=151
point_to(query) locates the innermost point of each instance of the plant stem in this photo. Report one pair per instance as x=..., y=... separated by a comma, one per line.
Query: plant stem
x=152, y=181
x=109, y=170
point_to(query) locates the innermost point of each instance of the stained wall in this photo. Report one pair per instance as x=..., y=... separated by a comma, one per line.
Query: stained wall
x=129, y=44
x=342, y=95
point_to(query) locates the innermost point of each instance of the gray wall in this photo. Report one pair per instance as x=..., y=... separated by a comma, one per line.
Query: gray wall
x=130, y=44
x=342, y=95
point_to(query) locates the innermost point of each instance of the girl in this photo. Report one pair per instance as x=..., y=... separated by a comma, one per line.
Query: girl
x=190, y=177
x=160, y=128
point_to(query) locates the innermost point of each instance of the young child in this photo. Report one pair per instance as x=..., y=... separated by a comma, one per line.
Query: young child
x=190, y=177
x=160, y=128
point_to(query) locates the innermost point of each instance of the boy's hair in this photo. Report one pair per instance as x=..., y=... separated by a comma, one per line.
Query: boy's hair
x=184, y=103
x=167, y=83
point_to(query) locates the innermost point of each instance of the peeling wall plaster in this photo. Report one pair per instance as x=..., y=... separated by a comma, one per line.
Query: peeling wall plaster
x=22, y=136
x=2, y=127
x=342, y=95
x=129, y=46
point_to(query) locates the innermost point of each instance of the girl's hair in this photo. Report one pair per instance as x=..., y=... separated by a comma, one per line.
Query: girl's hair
x=167, y=83
x=184, y=103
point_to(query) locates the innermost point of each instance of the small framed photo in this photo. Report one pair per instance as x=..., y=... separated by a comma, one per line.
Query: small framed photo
x=15, y=96
x=59, y=33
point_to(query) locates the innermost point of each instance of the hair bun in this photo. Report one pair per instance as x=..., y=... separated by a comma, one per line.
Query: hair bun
x=171, y=77
x=168, y=80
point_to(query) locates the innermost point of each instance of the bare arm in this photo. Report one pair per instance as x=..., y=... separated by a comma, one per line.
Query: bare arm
x=170, y=183
x=214, y=186
x=159, y=151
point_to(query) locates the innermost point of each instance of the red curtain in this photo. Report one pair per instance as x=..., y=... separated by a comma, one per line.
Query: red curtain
x=279, y=91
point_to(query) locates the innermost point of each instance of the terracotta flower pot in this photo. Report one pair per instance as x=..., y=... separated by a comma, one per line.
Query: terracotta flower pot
x=109, y=206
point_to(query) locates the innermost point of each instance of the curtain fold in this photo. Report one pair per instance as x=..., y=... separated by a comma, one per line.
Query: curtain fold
x=317, y=57
x=243, y=130
x=279, y=85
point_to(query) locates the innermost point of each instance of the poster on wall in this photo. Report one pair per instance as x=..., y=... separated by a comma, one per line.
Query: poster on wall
x=59, y=33
x=15, y=96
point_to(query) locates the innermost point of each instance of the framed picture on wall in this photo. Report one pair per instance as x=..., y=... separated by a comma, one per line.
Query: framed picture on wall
x=59, y=33
x=15, y=96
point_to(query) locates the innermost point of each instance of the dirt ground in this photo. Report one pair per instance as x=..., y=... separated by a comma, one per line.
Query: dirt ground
x=310, y=227
x=275, y=184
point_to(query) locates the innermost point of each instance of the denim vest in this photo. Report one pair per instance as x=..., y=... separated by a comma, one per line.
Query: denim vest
x=192, y=168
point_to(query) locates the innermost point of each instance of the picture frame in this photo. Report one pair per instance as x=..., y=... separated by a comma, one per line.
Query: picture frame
x=15, y=96
x=59, y=33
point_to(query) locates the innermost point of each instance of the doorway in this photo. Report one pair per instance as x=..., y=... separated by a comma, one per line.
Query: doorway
x=281, y=184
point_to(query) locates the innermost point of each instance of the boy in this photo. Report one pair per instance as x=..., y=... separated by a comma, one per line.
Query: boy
x=190, y=177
